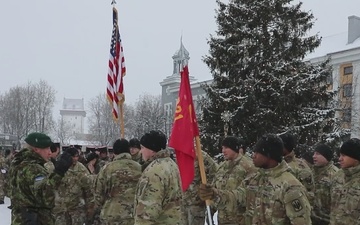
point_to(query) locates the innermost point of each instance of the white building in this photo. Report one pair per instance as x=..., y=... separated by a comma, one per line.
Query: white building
x=73, y=113
x=343, y=49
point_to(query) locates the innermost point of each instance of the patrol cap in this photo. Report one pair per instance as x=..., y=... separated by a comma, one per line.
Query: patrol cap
x=271, y=146
x=232, y=143
x=154, y=140
x=325, y=151
x=134, y=143
x=38, y=140
x=121, y=146
x=289, y=141
x=351, y=148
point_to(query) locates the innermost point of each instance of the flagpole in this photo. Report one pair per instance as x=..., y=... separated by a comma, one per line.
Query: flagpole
x=202, y=173
x=121, y=110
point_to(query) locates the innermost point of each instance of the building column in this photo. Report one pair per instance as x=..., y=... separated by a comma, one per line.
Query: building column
x=355, y=109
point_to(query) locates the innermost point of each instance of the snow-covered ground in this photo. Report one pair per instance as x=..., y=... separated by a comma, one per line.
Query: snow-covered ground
x=5, y=214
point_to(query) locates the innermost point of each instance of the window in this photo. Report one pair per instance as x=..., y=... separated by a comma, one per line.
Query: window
x=168, y=109
x=348, y=70
x=347, y=115
x=347, y=90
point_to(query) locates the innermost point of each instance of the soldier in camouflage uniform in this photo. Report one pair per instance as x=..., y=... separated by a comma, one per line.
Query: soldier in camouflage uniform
x=32, y=195
x=3, y=172
x=116, y=185
x=230, y=174
x=345, y=199
x=324, y=172
x=135, y=150
x=103, y=159
x=300, y=168
x=158, y=199
x=55, y=150
x=272, y=196
x=194, y=206
x=74, y=202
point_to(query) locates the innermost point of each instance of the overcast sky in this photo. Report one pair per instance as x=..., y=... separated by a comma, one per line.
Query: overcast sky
x=66, y=42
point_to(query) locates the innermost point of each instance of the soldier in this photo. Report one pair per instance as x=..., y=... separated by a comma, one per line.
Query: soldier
x=74, y=200
x=116, y=185
x=32, y=195
x=230, y=174
x=158, y=197
x=299, y=167
x=345, y=206
x=324, y=172
x=55, y=150
x=111, y=154
x=135, y=150
x=3, y=172
x=271, y=196
x=91, y=160
x=103, y=159
x=194, y=206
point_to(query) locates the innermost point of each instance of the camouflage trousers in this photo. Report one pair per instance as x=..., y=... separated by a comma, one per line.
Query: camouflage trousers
x=118, y=222
x=74, y=217
x=195, y=215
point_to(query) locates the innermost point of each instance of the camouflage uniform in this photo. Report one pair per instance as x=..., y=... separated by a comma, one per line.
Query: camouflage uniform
x=303, y=173
x=323, y=177
x=345, y=198
x=3, y=171
x=158, y=197
x=115, y=190
x=74, y=199
x=100, y=164
x=271, y=197
x=49, y=166
x=32, y=195
x=228, y=177
x=137, y=157
x=194, y=206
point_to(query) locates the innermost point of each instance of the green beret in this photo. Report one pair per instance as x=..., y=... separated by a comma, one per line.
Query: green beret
x=38, y=140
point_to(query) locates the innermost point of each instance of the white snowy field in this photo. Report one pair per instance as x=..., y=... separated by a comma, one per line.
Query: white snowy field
x=5, y=214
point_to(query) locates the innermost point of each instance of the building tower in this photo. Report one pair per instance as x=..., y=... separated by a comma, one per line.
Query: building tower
x=73, y=113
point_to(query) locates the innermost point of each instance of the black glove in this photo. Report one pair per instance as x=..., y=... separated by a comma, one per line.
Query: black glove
x=63, y=163
x=1, y=201
x=207, y=192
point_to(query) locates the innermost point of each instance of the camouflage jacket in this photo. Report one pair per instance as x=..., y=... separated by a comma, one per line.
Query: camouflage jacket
x=158, y=199
x=303, y=173
x=32, y=194
x=115, y=188
x=345, y=198
x=100, y=163
x=49, y=166
x=271, y=197
x=228, y=177
x=323, y=177
x=74, y=192
x=191, y=197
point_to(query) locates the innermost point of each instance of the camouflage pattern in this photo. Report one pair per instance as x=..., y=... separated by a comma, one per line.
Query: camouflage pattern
x=49, y=166
x=137, y=157
x=345, y=198
x=195, y=208
x=3, y=172
x=115, y=190
x=323, y=177
x=303, y=173
x=228, y=177
x=158, y=199
x=73, y=217
x=100, y=163
x=271, y=197
x=74, y=194
x=32, y=195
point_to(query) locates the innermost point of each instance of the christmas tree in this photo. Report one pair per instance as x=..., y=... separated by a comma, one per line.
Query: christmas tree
x=261, y=82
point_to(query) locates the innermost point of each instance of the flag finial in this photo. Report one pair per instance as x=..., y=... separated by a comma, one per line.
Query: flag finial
x=113, y=2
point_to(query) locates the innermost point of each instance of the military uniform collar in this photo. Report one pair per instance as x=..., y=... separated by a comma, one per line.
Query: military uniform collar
x=275, y=171
x=352, y=172
x=289, y=157
x=320, y=169
x=122, y=156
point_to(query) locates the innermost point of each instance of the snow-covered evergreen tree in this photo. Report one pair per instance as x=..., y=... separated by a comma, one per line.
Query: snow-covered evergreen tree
x=261, y=82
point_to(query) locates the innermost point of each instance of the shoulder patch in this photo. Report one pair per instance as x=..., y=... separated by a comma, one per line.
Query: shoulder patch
x=39, y=178
x=296, y=204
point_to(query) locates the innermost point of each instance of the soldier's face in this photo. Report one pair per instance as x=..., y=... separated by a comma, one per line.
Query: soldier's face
x=133, y=150
x=45, y=153
x=146, y=153
x=347, y=162
x=229, y=154
x=259, y=160
x=319, y=160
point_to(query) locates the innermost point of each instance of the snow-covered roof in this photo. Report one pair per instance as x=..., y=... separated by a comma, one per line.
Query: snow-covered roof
x=73, y=104
x=333, y=44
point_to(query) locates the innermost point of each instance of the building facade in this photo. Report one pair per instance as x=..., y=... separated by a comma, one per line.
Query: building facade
x=344, y=52
x=73, y=114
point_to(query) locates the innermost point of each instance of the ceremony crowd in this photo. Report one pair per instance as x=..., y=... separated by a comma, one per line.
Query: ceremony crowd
x=137, y=182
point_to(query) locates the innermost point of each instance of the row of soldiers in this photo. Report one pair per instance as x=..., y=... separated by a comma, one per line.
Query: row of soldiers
x=274, y=187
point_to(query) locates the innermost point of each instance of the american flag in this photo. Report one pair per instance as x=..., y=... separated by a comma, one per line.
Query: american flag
x=117, y=69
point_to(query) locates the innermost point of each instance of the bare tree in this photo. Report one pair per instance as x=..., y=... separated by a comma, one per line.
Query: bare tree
x=64, y=132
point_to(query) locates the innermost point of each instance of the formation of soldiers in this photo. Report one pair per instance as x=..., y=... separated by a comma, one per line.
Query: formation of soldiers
x=137, y=182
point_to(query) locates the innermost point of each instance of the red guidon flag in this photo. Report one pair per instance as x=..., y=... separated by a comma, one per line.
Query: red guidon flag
x=184, y=129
